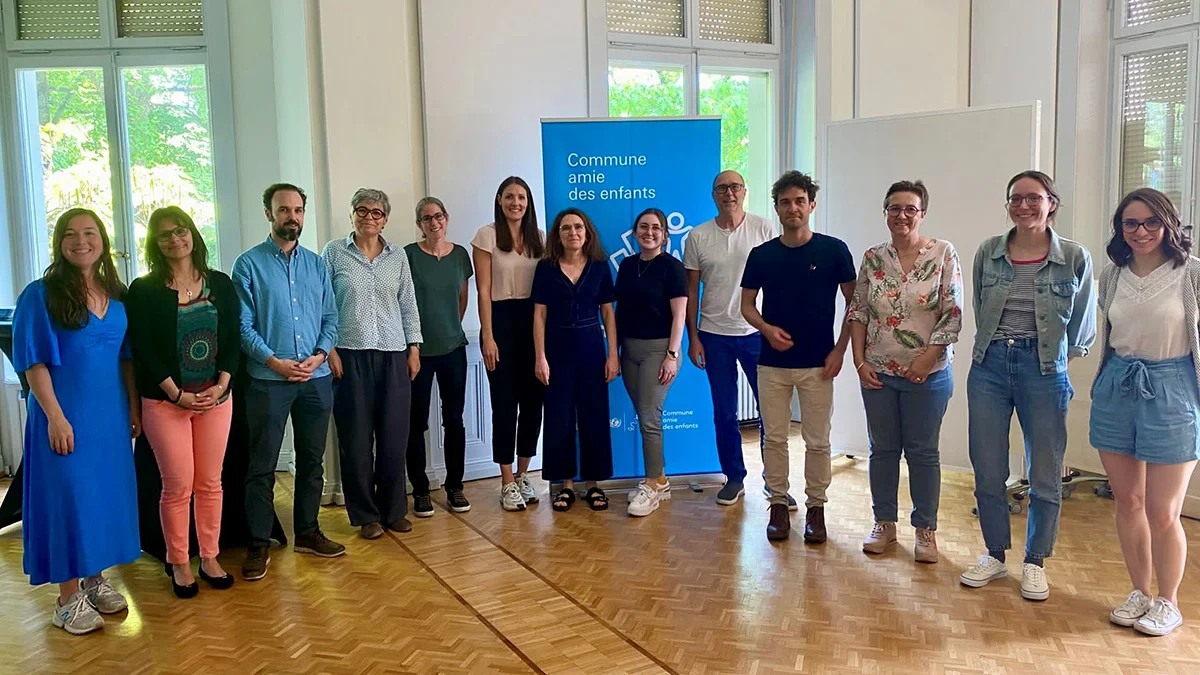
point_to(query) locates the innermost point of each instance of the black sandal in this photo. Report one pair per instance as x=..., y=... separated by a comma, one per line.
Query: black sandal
x=563, y=500
x=596, y=499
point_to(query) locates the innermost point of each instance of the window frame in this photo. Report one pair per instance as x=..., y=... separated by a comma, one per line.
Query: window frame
x=691, y=39
x=648, y=58
x=1121, y=11
x=1190, y=38
x=211, y=50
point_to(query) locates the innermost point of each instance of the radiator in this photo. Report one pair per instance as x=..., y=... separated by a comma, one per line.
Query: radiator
x=747, y=407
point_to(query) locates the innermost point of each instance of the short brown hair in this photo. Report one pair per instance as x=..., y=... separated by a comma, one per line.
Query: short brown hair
x=591, y=245
x=1047, y=184
x=1176, y=242
x=915, y=187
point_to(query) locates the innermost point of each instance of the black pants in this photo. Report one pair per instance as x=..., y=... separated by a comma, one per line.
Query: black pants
x=576, y=399
x=451, y=372
x=370, y=411
x=269, y=403
x=516, y=392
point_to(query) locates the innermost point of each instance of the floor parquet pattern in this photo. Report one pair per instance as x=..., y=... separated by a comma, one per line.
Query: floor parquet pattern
x=695, y=588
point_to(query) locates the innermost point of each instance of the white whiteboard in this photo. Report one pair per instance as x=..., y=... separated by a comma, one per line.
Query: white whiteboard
x=966, y=158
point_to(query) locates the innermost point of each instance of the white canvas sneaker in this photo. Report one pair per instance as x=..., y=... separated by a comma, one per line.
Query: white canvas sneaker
x=103, y=596
x=529, y=494
x=882, y=536
x=1162, y=618
x=1134, y=608
x=646, y=502
x=510, y=497
x=1033, y=582
x=77, y=617
x=987, y=570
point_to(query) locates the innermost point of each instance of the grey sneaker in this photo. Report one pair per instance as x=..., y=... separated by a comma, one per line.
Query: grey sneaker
x=792, y=505
x=1134, y=608
x=510, y=497
x=1162, y=618
x=730, y=493
x=78, y=616
x=529, y=494
x=103, y=596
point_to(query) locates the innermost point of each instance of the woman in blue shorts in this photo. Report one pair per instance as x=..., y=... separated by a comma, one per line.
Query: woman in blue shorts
x=1146, y=402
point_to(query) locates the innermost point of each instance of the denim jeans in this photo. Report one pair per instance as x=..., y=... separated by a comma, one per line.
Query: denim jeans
x=905, y=417
x=1009, y=377
x=722, y=354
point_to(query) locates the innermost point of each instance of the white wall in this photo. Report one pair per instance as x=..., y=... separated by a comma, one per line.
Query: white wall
x=488, y=80
x=912, y=56
x=1015, y=61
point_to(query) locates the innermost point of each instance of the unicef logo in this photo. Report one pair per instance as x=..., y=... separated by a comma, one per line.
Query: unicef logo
x=677, y=234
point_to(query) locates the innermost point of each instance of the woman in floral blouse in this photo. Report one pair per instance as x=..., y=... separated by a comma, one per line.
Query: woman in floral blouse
x=906, y=312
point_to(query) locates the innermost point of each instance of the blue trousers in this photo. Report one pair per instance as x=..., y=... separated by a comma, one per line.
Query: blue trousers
x=576, y=401
x=722, y=355
x=906, y=418
x=1010, y=378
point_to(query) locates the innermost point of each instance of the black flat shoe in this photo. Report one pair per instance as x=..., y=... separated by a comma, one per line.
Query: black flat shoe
x=185, y=592
x=219, y=583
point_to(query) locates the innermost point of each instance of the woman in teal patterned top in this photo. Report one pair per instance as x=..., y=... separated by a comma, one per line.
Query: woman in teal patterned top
x=184, y=329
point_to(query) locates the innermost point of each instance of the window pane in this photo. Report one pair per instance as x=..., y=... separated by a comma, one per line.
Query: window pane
x=1142, y=12
x=160, y=18
x=1153, y=121
x=648, y=17
x=170, y=148
x=58, y=19
x=64, y=139
x=736, y=20
x=745, y=103
x=645, y=91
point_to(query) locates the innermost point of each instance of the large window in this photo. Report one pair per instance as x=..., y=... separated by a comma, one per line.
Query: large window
x=114, y=112
x=702, y=57
x=1155, y=99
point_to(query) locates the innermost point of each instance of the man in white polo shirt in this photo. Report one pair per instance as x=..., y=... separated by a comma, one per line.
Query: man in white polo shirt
x=719, y=338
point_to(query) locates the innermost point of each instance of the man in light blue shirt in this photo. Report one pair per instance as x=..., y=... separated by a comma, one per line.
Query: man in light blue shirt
x=289, y=325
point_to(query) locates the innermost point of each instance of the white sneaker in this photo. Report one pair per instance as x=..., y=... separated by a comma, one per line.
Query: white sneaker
x=102, y=595
x=664, y=491
x=510, y=497
x=646, y=502
x=926, y=550
x=1134, y=608
x=77, y=617
x=882, y=536
x=529, y=494
x=1162, y=618
x=1033, y=582
x=987, y=570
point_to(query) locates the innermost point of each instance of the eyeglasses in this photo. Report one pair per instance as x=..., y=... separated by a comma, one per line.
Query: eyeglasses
x=729, y=188
x=1034, y=201
x=1152, y=224
x=179, y=233
x=437, y=217
x=373, y=214
x=910, y=211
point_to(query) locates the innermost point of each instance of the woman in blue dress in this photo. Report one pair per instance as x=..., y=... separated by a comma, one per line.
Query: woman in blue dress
x=80, y=497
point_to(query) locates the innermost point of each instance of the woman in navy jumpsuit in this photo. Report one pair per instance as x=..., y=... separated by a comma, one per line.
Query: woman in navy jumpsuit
x=572, y=293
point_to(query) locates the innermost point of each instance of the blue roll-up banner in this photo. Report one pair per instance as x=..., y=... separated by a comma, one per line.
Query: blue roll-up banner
x=612, y=169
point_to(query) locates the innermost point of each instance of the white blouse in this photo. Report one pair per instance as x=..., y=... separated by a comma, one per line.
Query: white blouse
x=1147, y=314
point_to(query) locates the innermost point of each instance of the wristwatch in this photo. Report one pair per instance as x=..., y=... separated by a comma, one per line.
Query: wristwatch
x=320, y=352
x=673, y=355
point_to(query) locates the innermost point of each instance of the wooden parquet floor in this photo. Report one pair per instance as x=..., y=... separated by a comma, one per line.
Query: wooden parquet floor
x=695, y=588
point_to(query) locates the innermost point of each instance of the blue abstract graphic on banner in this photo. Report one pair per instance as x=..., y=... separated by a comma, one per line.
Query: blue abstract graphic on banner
x=613, y=169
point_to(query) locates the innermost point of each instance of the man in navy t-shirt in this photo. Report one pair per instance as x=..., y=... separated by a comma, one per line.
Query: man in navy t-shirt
x=799, y=274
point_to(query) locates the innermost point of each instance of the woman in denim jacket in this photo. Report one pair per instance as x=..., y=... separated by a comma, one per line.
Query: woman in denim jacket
x=1035, y=308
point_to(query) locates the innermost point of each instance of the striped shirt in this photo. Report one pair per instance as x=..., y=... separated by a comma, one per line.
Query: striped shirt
x=1019, y=319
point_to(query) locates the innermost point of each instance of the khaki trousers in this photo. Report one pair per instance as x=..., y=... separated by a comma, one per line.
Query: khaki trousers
x=775, y=386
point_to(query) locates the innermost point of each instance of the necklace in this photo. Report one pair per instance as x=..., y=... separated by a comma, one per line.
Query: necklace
x=643, y=270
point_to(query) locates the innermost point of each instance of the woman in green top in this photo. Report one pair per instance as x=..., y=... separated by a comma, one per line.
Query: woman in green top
x=440, y=270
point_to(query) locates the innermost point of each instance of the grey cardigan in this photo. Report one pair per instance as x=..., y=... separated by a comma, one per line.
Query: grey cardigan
x=1191, y=308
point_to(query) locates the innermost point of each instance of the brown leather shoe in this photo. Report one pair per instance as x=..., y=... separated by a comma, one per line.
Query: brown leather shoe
x=780, y=524
x=814, y=525
x=402, y=525
x=371, y=531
